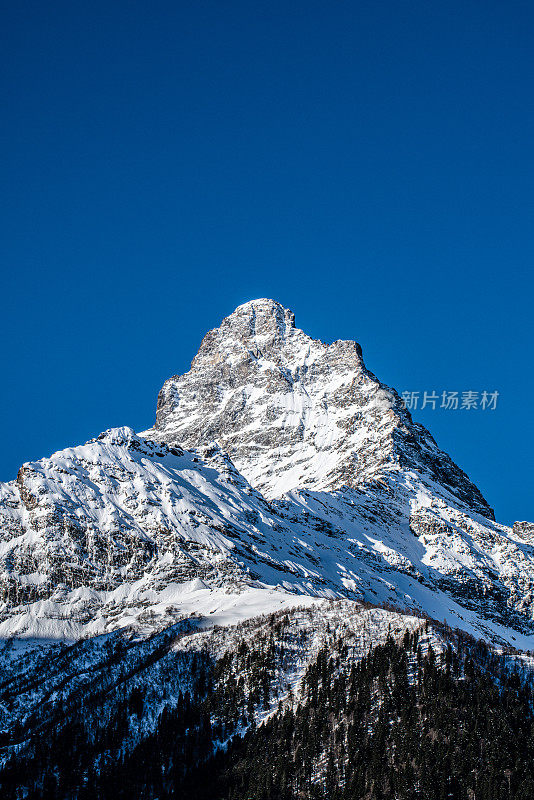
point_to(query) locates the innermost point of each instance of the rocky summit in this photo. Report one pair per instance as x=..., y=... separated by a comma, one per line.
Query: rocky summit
x=295, y=413
x=279, y=470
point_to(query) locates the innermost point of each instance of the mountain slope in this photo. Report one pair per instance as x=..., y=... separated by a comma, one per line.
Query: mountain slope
x=125, y=531
x=132, y=529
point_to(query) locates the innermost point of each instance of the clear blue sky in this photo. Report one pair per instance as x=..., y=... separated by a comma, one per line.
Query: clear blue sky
x=368, y=164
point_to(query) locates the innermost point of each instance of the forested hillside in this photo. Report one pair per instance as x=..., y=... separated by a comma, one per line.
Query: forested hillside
x=432, y=714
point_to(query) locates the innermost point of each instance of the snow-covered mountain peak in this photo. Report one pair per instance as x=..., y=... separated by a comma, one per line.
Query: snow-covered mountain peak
x=254, y=327
x=260, y=330
x=279, y=464
x=257, y=318
x=295, y=413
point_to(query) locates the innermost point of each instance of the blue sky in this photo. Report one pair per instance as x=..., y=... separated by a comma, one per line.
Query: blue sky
x=368, y=164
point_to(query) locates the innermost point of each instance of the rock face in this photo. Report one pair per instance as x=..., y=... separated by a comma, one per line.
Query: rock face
x=279, y=467
x=294, y=413
x=525, y=530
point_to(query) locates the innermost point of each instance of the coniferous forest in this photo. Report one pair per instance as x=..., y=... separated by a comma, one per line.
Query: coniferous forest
x=405, y=722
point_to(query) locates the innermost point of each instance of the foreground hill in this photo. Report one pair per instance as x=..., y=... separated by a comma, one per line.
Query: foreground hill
x=333, y=702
